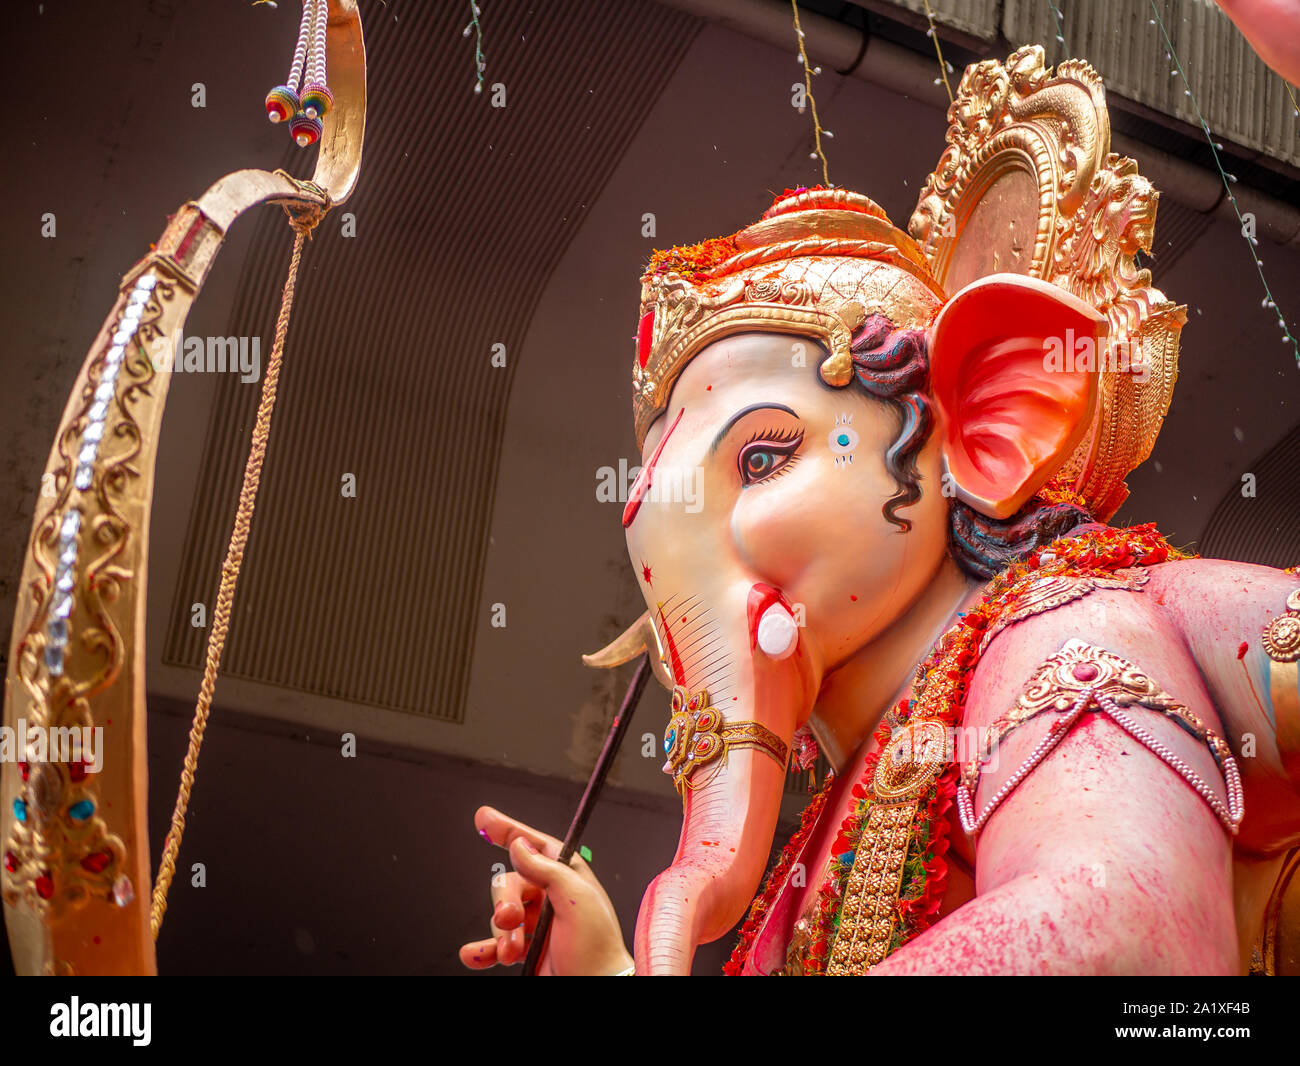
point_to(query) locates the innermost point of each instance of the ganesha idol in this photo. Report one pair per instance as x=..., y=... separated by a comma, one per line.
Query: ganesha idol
x=1058, y=746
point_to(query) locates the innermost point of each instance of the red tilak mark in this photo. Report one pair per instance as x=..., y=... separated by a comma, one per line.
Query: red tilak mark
x=642, y=483
x=708, y=388
x=646, y=575
x=96, y=940
x=1242, y=648
x=853, y=598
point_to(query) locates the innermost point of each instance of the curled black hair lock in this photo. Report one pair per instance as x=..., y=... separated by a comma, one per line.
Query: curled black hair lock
x=893, y=365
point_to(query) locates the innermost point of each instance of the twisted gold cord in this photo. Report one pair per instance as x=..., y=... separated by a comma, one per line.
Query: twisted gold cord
x=303, y=221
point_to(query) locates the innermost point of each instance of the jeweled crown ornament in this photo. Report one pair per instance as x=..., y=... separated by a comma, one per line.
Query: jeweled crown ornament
x=817, y=264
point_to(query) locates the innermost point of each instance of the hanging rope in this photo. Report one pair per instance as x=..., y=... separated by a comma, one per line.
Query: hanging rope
x=302, y=220
x=933, y=34
x=807, y=82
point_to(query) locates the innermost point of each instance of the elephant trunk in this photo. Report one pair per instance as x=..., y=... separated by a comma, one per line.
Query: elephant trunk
x=730, y=818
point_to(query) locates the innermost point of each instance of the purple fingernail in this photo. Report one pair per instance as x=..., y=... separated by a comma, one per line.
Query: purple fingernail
x=484, y=834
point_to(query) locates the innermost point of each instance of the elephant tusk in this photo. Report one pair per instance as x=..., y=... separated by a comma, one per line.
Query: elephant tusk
x=640, y=636
x=777, y=632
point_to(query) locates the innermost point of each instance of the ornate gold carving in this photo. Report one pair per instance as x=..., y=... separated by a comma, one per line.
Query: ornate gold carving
x=1082, y=677
x=871, y=893
x=1028, y=184
x=96, y=677
x=1079, y=666
x=814, y=266
x=1046, y=594
x=1282, y=635
x=60, y=861
x=1281, y=642
x=915, y=755
x=1006, y=117
x=698, y=737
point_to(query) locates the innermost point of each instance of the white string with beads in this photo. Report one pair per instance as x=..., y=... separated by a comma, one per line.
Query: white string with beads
x=300, y=50
x=316, y=56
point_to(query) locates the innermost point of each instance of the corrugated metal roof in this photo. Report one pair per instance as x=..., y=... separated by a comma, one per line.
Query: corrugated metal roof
x=1241, y=99
x=1260, y=527
x=979, y=18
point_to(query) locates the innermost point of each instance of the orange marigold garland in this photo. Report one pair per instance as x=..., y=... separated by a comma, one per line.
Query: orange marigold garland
x=939, y=694
x=692, y=261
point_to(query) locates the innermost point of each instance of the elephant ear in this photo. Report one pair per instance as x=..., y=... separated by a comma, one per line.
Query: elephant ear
x=1014, y=371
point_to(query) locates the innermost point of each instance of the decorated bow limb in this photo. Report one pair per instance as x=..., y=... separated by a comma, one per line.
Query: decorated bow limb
x=76, y=867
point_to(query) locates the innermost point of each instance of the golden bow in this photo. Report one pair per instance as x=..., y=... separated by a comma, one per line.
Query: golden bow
x=76, y=852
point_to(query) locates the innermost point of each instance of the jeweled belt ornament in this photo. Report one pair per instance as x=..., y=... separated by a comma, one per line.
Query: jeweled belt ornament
x=698, y=736
x=914, y=759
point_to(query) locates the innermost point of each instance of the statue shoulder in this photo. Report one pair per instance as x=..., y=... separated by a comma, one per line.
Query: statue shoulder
x=1220, y=638
x=1218, y=603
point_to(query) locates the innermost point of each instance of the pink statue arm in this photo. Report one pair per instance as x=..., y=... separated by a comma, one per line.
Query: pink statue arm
x=1221, y=609
x=1102, y=861
x=1273, y=29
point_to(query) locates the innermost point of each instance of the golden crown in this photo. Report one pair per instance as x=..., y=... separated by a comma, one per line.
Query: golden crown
x=818, y=263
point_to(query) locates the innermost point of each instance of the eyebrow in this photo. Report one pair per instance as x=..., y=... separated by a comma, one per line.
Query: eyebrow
x=741, y=414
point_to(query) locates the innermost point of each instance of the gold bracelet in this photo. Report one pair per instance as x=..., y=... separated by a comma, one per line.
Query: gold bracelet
x=698, y=735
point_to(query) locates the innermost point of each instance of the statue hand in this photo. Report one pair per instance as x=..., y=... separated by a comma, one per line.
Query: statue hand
x=585, y=937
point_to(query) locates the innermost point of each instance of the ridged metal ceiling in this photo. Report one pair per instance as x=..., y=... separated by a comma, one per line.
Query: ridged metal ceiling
x=1259, y=522
x=462, y=213
x=1240, y=98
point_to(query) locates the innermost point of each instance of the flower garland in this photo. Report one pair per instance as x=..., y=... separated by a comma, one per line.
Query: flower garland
x=692, y=261
x=939, y=693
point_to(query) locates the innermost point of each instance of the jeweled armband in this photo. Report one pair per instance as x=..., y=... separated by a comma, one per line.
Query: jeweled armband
x=1081, y=678
x=1281, y=640
x=698, y=736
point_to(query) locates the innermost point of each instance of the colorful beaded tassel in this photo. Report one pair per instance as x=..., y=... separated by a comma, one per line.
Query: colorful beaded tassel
x=304, y=100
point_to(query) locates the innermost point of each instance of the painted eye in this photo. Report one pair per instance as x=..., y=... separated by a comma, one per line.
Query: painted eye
x=761, y=459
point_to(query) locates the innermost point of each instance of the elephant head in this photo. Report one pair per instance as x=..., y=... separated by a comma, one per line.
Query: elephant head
x=833, y=455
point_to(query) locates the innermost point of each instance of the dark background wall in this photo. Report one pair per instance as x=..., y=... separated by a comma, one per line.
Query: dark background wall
x=522, y=225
